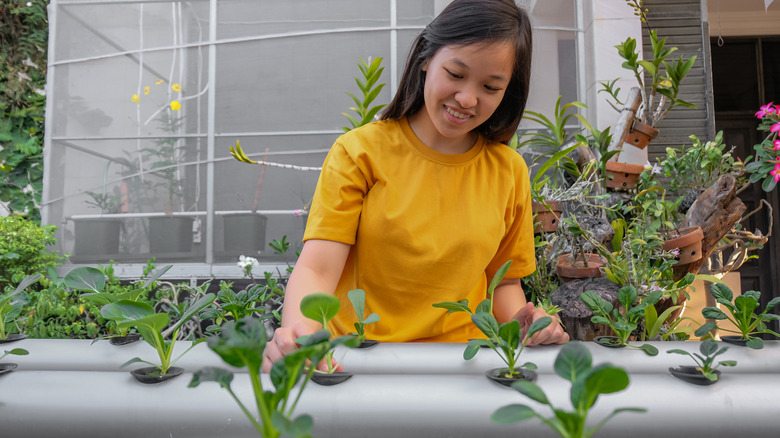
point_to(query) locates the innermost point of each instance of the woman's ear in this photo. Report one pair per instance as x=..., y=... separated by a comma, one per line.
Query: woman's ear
x=424, y=66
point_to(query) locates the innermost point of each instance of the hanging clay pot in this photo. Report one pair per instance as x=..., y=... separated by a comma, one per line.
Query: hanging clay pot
x=688, y=242
x=500, y=375
x=623, y=176
x=568, y=269
x=640, y=134
x=548, y=214
x=693, y=375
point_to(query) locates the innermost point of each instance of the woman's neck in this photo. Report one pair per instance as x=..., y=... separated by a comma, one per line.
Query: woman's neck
x=430, y=137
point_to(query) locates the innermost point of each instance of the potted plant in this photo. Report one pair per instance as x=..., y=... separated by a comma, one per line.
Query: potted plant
x=623, y=323
x=10, y=308
x=742, y=313
x=358, y=299
x=658, y=83
x=151, y=326
x=578, y=263
x=504, y=339
x=169, y=233
x=322, y=307
x=706, y=372
x=573, y=363
x=661, y=215
x=765, y=167
x=99, y=236
x=8, y=367
x=241, y=344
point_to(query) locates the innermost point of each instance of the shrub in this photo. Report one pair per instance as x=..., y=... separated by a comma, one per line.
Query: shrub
x=23, y=249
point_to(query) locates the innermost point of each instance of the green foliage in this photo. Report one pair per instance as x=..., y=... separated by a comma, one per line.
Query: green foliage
x=358, y=299
x=151, y=324
x=625, y=322
x=11, y=305
x=322, y=307
x=700, y=165
x=742, y=313
x=365, y=112
x=762, y=168
x=23, y=45
x=241, y=344
x=258, y=300
x=14, y=351
x=573, y=363
x=23, y=249
x=705, y=360
x=505, y=339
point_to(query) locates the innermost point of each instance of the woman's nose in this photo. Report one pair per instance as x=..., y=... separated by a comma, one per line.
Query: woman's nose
x=466, y=97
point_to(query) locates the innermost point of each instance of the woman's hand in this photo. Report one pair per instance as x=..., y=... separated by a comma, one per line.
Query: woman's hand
x=552, y=334
x=283, y=343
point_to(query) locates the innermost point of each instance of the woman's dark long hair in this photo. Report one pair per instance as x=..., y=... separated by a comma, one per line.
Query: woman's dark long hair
x=465, y=22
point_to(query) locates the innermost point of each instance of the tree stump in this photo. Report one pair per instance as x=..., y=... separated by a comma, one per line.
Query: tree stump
x=716, y=211
x=575, y=315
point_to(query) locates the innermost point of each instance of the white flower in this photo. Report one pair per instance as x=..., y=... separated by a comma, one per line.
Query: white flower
x=29, y=4
x=246, y=264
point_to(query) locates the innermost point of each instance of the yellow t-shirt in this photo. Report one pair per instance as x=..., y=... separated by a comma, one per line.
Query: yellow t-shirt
x=425, y=227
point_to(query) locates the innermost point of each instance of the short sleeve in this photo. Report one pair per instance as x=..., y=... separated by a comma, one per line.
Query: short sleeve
x=518, y=242
x=338, y=198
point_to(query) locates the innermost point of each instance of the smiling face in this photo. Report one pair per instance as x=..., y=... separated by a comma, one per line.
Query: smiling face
x=463, y=87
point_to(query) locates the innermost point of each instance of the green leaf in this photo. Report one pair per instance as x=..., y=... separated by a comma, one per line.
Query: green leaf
x=498, y=277
x=602, y=379
x=487, y=324
x=483, y=306
x=538, y=325
x=531, y=390
x=512, y=414
x=211, y=374
x=320, y=307
x=358, y=299
x=241, y=343
x=755, y=343
x=18, y=352
x=572, y=360
x=27, y=281
x=510, y=332
x=155, y=275
x=649, y=349
x=713, y=313
x=472, y=349
x=460, y=306
x=85, y=278
x=705, y=329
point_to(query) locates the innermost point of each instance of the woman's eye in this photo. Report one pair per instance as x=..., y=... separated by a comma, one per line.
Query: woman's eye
x=456, y=76
x=492, y=89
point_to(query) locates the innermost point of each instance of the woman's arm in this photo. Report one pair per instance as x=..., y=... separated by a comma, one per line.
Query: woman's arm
x=318, y=269
x=509, y=303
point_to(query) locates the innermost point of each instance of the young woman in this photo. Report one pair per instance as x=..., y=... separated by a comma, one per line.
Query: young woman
x=425, y=205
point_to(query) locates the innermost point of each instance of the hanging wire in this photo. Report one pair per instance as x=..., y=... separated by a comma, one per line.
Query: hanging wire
x=720, y=36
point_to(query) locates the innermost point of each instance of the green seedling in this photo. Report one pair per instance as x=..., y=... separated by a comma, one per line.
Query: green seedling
x=504, y=339
x=241, y=344
x=358, y=299
x=15, y=351
x=11, y=304
x=93, y=282
x=150, y=325
x=705, y=360
x=573, y=363
x=232, y=306
x=622, y=324
x=655, y=322
x=322, y=307
x=742, y=314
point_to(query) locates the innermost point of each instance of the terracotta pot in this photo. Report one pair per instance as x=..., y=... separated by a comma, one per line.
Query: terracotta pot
x=568, y=271
x=640, y=134
x=549, y=215
x=623, y=175
x=688, y=242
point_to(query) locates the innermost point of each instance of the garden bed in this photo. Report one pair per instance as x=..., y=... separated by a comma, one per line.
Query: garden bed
x=74, y=388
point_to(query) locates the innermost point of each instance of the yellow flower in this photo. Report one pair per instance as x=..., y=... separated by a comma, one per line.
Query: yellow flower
x=159, y=81
x=81, y=309
x=175, y=105
x=146, y=90
x=136, y=99
x=176, y=87
x=665, y=84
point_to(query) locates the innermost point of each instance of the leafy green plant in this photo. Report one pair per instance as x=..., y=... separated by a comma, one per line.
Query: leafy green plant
x=11, y=305
x=150, y=325
x=622, y=323
x=24, y=30
x=742, y=313
x=573, y=363
x=504, y=339
x=15, y=351
x=699, y=165
x=24, y=249
x=322, y=307
x=241, y=344
x=705, y=360
x=662, y=325
x=764, y=168
x=656, y=77
x=358, y=299
x=371, y=72
x=232, y=306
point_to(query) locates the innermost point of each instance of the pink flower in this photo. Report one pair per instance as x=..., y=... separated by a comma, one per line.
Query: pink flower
x=298, y=212
x=675, y=252
x=776, y=143
x=775, y=127
x=776, y=173
x=766, y=109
